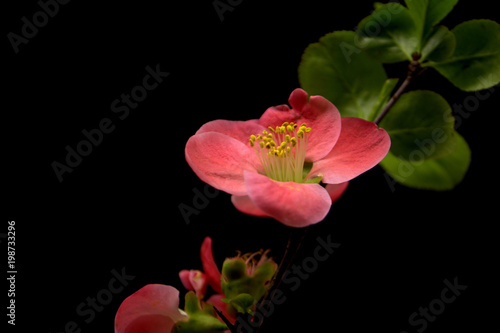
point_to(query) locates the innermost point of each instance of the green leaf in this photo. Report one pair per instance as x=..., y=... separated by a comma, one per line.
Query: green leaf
x=440, y=45
x=438, y=174
x=383, y=98
x=475, y=64
x=420, y=123
x=388, y=34
x=428, y=13
x=336, y=69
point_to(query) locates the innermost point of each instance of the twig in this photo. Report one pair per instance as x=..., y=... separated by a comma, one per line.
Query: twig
x=231, y=327
x=414, y=69
x=282, y=272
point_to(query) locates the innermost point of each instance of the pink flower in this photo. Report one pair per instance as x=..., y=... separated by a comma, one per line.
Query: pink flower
x=194, y=280
x=211, y=276
x=272, y=166
x=152, y=309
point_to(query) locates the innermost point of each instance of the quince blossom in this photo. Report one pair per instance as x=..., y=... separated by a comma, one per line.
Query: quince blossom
x=272, y=166
x=152, y=309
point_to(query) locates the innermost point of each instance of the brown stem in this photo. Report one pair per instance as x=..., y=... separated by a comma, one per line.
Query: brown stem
x=414, y=69
x=280, y=272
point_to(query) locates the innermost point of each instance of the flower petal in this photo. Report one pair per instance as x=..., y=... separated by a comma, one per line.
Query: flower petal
x=245, y=205
x=336, y=190
x=318, y=113
x=220, y=160
x=293, y=204
x=185, y=275
x=216, y=301
x=210, y=268
x=239, y=130
x=360, y=147
x=152, y=309
x=194, y=280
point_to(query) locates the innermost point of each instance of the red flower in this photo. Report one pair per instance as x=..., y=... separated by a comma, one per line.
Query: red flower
x=272, y=166
x=211, y=276
x=152, y=309
x=155, y=307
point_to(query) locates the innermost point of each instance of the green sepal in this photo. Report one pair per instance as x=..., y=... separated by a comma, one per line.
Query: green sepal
x=315, y=180
x=235, y=282
x=201, y=320
x=243, y=303
x=306, y=169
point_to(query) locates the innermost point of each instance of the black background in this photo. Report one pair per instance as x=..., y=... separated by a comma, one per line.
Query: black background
x=119, y=210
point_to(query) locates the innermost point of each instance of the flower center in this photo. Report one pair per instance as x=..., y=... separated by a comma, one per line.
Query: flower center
x=282, y=151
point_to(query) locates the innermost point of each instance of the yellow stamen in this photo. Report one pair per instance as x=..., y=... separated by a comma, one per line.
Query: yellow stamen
x=285, y=149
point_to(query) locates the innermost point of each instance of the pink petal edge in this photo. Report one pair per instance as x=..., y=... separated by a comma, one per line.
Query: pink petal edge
x=220, y=160
x=239, y=130
x=152, y=309
x=360, y=147
x=293, y=204
x=245, y=205
x=317, y=112
x=216, y=300
x=194, y=280
x=336, y=190
x=210, y=268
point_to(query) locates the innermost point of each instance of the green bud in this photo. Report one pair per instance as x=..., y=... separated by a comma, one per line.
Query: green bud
x=201, y=320
x=245, y=280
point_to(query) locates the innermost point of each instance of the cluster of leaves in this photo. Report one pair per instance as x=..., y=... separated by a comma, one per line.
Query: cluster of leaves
x=347, y=68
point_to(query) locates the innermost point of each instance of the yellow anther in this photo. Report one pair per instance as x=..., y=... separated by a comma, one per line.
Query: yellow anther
x=285, y=150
